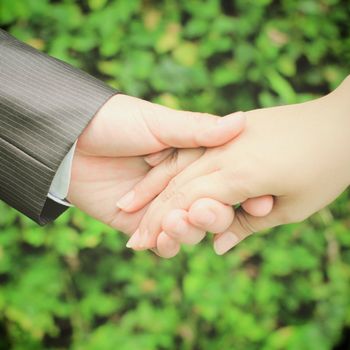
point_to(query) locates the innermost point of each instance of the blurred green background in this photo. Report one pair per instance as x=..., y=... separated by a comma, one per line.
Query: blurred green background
x=73, y=285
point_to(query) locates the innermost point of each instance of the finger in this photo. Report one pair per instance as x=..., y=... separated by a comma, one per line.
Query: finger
x=183, y=129
x=243, y=226
x=210, y=215
x=176, y=225
x=258, y=206
x=157, y=179
x=164, y=174
x=156, y=158
x=213, y=185
x=128, y=126
x=167, y=247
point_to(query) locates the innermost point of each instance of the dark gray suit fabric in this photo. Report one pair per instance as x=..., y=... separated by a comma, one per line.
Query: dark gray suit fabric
x=45, y=104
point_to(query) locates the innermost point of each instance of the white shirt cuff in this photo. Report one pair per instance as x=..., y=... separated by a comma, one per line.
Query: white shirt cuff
x=60, y=183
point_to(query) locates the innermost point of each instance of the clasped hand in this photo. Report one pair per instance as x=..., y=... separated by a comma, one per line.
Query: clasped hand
x=275, y=165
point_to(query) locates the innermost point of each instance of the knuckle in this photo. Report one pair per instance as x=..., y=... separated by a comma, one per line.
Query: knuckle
x=240, y=182
x=194, y=119
x=171, y=194
x=167, y=194
x=200, y=120
x=178, y=200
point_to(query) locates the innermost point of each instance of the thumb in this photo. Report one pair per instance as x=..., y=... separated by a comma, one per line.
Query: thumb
x=128, y=126
x=243, y=226
x=183, y=129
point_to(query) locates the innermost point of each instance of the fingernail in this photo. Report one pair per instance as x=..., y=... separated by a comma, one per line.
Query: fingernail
x=126, y=200
x=134, y=241
x=230, y=119
x=206, y=218
x=225, y=242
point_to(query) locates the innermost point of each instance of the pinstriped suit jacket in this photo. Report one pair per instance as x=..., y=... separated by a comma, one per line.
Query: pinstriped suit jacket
x=44, y=106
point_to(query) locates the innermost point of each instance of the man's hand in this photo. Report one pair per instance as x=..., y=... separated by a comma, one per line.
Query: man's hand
x=109, y=161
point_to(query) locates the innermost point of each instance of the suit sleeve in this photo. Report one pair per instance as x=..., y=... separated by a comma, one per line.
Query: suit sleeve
x=45, y=104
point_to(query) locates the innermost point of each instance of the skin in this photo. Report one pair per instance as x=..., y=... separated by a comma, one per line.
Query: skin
x=188, y=228
x=299, y=154
x=109, y=159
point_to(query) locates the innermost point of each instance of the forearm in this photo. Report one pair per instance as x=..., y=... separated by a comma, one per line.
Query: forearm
x=337, y=104
x=328, y=116
x=342, y=93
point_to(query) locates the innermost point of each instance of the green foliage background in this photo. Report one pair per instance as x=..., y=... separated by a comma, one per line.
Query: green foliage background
x=73, y=285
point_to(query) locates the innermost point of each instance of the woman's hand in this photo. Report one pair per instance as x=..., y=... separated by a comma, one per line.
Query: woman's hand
x=297, y=153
